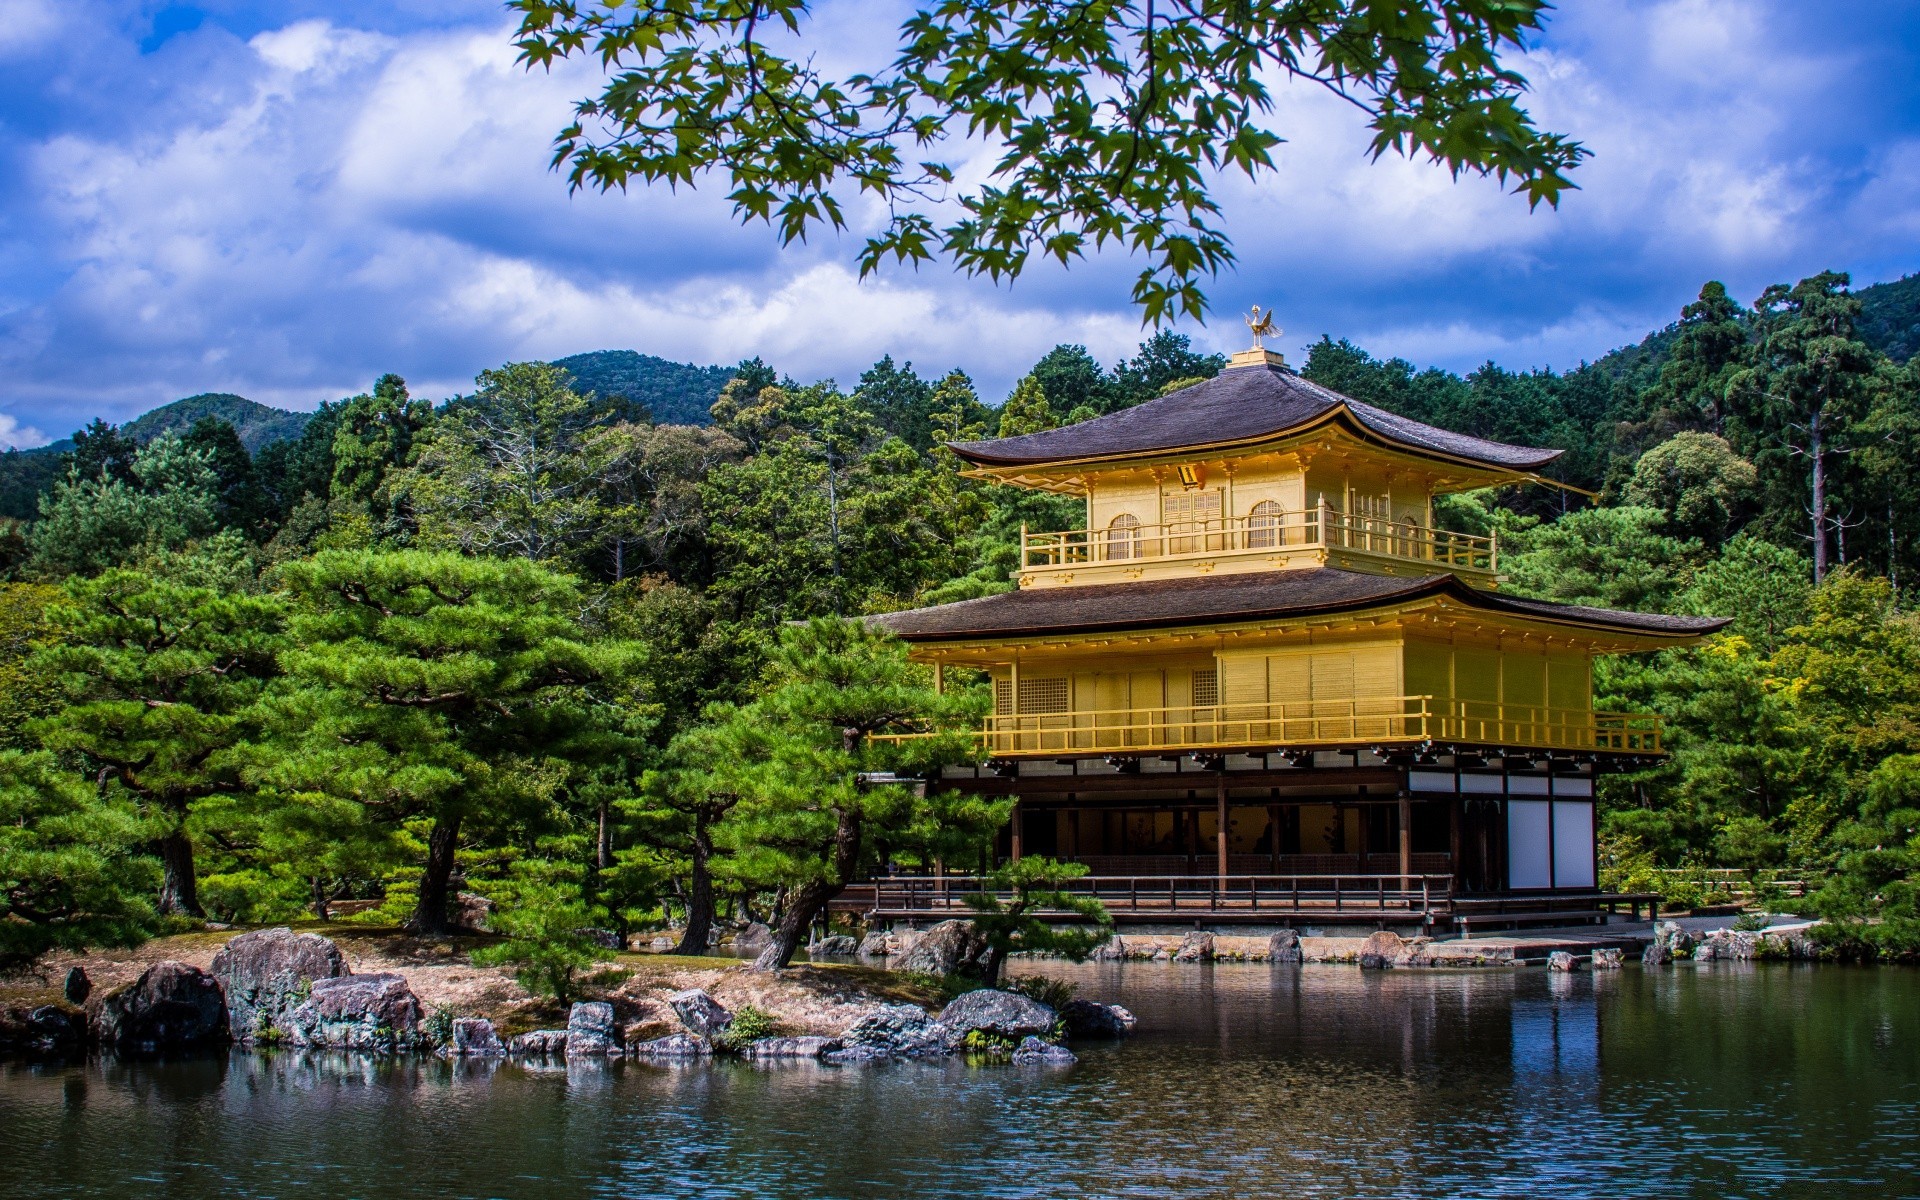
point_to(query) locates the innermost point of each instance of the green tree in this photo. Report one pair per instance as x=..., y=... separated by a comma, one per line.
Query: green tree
x=900, y=401
x=160, y=670
x=88, y=524
x=816, y=802
x=1871, y=901
x=549, y=927
x=1807, y=383
x=1165, y=358
x=1611, y=557
x=1113, y=127
x=1026, y=410
x=433, y=691
x=240, y=502
x=679, y=806
x=512, y=469
x=1036, y=885
x=71, y=872
x=1696, y=479
x=375, y=438
x=1070, y=379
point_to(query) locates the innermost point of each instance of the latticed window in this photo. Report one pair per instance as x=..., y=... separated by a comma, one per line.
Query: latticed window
x=1123, y=536
x=1206, y=688
x=1263, y=526
x=1037, y=696
x=1191, y=513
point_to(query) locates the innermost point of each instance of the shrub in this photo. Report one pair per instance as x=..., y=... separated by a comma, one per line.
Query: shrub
x=547, y=927
x=1054, y=993
x=749, y=1025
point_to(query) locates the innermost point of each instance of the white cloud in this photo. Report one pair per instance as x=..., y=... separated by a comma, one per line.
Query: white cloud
x=15, y=436
x=321, y=204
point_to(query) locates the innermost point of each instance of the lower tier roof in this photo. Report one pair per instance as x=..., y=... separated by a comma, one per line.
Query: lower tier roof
x=1210, y=599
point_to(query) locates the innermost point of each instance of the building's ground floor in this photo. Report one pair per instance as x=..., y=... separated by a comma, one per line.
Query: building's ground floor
x=1320, y=839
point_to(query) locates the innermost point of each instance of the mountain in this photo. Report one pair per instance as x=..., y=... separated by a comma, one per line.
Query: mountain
x=1890, y=317
x=675, y=393
x=24, y=474
x=256, y=424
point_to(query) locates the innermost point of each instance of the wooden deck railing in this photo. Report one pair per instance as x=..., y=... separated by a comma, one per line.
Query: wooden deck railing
x=1363, y=721
x=1316, y=528
x=1416, y=896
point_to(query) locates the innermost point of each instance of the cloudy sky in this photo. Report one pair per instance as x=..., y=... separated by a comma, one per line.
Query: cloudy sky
x=284, y=198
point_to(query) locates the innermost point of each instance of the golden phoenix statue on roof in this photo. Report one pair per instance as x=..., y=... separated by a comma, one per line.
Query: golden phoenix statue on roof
x=1262, y=326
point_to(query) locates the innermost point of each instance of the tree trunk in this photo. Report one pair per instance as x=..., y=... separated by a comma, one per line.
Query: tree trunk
x=1817, y=454
x=603, y=844
x=699, y=934
x=430, y=913
x=179, y=891
x=810, y=899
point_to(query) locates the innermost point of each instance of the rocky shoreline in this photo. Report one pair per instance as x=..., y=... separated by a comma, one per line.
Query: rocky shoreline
x=279, y=988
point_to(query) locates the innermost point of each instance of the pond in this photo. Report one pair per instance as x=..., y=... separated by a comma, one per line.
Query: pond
x=1729, y=1080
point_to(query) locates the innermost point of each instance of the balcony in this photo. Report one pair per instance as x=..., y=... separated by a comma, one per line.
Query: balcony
x=1315, y=724
x=1260, y=542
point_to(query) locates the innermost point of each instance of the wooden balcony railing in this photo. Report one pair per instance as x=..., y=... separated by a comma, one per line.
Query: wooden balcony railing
x=1273, y=532
x=1362, y=721
x=1172, y=896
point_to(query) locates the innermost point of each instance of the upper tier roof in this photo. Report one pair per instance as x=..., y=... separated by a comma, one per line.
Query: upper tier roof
x=1217, y=599
x=1241, y=404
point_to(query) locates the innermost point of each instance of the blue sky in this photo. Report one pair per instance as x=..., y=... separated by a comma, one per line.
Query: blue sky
x=285, y=198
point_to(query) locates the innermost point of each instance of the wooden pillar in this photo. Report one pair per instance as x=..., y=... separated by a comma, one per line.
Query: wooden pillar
x=1220, y=822
x=1273, y=838
x=1073, y=831
x=1019, y=820
x=1453, y=840
x=1406, y=840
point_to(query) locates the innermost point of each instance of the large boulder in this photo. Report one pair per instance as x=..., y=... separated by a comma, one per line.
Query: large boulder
x=267, y=974
x=838, y=945
x=700, y=1013
x=51, y=1029
x=1005, y=1015
x=789, y=1047
x=1678, y=941
x=675, y=1045
x=591, y=1031
x=1091, y=1019
x=1284, y=947
x=1607, y=958
x=889, y=1029
x=753, y=939
x=1034, y=1052
x=172, y=1006
x=472, y=912
x=1114, y=949
x=541, y=1043
x=944, y=949
x=1382, y=949
x=377, y=1012
x=1656, y=954
x=1560, y=960
x=877, y=944
x=1196, y=946
x=473, y=1037
x=77, y=986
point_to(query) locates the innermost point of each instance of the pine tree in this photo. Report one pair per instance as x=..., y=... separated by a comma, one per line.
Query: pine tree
x=811, y=814
x=1026, y=410
x=161, y=670
x=433, y=690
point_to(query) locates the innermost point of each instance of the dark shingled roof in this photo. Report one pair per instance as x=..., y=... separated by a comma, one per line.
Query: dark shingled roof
x=1242, y=597
x=1239, y=404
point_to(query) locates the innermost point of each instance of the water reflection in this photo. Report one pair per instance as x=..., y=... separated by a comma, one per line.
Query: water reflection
x=1244, y=1080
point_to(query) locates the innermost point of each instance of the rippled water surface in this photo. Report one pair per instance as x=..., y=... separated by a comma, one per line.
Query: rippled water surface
x=1246, y=1081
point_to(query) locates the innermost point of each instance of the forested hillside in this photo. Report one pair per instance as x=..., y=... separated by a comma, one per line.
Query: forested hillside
x=528, y=644
x=669, y=393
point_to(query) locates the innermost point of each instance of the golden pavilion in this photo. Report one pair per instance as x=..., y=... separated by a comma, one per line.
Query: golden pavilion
x=1261, y=685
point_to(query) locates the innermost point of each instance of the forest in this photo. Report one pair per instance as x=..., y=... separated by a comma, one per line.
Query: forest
x=604, y=671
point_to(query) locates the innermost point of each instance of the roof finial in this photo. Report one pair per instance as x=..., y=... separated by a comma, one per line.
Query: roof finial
x=1261, y=326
